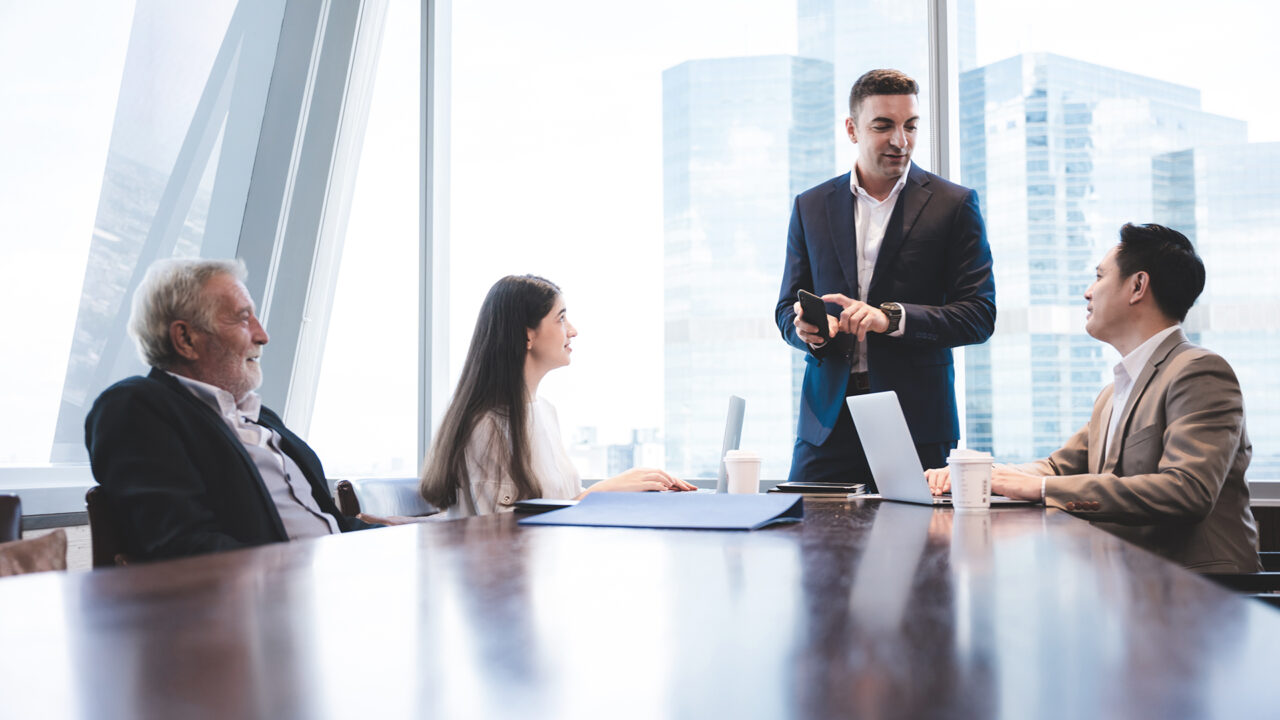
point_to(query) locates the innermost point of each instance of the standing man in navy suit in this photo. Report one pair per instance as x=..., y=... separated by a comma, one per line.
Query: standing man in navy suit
x=902, y=256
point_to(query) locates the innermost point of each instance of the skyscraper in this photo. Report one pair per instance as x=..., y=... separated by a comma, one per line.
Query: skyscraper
x=1062, y=153
x=1226, y=198
x=859, y=36
x=741, y=136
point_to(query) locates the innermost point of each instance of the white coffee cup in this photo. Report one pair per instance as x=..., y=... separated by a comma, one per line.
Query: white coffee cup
x=743, y=468
x=970, y=480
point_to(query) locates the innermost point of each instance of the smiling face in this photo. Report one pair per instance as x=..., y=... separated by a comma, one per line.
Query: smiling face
x=548, y=346
x=227, y=353
x=885, y=131
x=1108, y=296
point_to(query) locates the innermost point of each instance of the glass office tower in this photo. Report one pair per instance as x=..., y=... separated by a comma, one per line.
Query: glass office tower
x=741, y=137
x=1226, y=198
x=1062, y=153
x=859, y=36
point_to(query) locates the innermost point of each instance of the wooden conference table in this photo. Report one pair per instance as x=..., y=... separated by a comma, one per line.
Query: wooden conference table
x=864, y=609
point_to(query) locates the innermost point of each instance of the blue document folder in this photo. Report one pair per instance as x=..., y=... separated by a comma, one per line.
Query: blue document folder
x=680, y=510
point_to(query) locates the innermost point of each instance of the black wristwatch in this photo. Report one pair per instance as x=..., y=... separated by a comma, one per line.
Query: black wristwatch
x=894, y=311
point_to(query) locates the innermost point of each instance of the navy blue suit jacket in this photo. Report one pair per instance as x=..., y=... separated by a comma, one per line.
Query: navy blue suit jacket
x=177, y=478
x=934, y=261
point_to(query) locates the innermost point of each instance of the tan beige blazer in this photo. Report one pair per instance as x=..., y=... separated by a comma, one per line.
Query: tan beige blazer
x=1173, y=480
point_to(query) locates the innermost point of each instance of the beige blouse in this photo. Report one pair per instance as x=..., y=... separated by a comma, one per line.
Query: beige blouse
x=490, y=488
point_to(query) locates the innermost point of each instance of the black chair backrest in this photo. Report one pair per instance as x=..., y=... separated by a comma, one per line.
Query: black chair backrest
x=382, y=497
x=108, y=545
x=1247, y=582
x=345, y=495
x=10, y=518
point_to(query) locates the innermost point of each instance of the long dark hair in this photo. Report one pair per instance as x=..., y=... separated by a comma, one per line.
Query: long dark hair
x=492, y=380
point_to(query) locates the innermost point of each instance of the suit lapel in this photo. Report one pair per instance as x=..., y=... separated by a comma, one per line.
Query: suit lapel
x=840, y=224
x=219, y=426
x=911, y=201
x=1139, y=388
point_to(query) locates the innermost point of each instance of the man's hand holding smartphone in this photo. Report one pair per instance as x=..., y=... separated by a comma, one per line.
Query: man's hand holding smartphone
x=812, y=320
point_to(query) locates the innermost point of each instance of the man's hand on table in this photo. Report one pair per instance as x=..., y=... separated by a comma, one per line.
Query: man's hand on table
x=1014, y=484
x=939, y=480
x=1004, y=481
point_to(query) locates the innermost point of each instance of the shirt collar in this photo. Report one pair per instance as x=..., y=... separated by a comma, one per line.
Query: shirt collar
x=222, y=401
x=1137, y=358
x=858, y=190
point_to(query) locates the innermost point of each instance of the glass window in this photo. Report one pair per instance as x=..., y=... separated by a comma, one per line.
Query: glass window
x=654, y=185
x=54, y=151
x=135, y=141
x=365, y=421
x=1134, y=131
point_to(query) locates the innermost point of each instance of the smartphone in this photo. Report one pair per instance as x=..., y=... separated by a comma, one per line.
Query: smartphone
x=814, y=312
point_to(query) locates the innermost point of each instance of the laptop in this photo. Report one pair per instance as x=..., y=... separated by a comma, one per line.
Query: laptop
x=732, y=438
x=891, y=454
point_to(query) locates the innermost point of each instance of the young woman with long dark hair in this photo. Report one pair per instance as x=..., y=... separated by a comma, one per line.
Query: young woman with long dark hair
x=499, y=442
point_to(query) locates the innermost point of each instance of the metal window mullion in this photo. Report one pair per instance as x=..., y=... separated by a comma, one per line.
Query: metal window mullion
x=433, y=286
x=943, y=88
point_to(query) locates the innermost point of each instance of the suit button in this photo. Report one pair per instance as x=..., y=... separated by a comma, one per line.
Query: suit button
x=1096, y=505
x=506, y=499
x=1071, y=506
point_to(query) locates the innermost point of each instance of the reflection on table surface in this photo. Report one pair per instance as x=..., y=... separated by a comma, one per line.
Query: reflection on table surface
x=864, y=609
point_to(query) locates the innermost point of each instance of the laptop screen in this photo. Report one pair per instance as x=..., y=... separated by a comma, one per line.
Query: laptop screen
x=732, y=438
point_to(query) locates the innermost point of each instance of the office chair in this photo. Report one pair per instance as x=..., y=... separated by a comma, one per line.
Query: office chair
x=1271, y=599
x=10, y=518
x=382, y=497
x=104, y=531
x=1260, y=582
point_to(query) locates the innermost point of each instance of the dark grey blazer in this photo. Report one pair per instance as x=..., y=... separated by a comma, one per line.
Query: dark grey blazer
x=179, y=480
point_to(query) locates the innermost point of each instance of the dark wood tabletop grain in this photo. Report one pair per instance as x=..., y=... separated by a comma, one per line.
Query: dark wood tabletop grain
x=864, y=609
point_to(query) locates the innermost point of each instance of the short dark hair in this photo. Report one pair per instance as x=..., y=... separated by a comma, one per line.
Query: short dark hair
x=1176, y=272
x=880, y=82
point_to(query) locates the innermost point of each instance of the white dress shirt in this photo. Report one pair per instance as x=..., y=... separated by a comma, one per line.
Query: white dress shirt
x=871, y=220
x=288, y=486
x=1126, y=371
x=491, y=487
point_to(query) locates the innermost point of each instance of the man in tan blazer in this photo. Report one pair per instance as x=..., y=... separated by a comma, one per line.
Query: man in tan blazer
x=1162, y=461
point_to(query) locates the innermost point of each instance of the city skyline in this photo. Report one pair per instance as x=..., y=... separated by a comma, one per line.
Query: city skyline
x=741, y=136
x=616, y=126
x=1061, y=153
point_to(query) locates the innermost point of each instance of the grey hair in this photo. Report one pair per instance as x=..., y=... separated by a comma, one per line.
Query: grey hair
x=173, y=290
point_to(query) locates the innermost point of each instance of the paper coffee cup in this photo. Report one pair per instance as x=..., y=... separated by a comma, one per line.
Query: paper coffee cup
x=743, y=468
x=970, y=480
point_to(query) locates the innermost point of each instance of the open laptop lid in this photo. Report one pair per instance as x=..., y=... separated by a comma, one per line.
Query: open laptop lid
x=886, y=440
x=732, y=438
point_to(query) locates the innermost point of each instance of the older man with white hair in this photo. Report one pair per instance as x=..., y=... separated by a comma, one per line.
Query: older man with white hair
x=187, y=456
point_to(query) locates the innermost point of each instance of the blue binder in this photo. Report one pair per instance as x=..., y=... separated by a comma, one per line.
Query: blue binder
x=676, y=510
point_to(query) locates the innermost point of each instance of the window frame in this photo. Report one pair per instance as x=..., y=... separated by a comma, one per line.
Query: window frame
x=295, y=213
